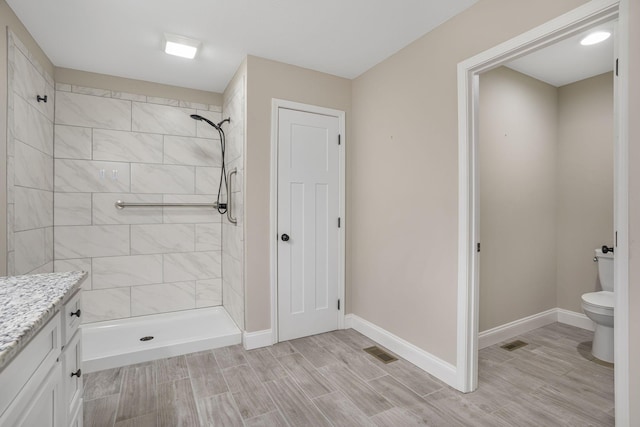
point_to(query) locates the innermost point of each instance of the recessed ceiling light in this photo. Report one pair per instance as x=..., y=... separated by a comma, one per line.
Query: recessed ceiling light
x=593, y=38
x=180, y=46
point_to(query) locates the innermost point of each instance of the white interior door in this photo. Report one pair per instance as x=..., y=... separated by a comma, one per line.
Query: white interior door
x=308, y=233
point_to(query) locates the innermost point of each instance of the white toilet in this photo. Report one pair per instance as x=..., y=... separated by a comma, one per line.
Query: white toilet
x=598, y=306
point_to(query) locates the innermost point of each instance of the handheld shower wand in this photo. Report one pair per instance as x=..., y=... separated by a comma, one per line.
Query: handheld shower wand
x=217, y=126
x=222, y=207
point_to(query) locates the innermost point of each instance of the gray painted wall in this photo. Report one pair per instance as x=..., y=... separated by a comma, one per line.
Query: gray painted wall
x=546, y=177
x=585, y=184
x=518, y=180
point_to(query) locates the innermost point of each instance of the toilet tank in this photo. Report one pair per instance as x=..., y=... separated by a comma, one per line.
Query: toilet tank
x=605, y=269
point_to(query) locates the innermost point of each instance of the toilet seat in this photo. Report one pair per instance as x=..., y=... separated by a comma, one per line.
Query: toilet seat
x=600, y=302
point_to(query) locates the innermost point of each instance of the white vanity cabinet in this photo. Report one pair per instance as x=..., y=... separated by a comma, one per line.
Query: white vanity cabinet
x=42, y=385
x=72, y=362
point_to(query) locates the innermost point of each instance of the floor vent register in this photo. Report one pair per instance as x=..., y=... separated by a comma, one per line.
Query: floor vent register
x=380, y=354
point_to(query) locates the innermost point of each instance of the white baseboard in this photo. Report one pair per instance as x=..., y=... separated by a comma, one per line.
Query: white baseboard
x=444, y=370
x=422, y=359
x=526, y=324
x=578, y=320
x=348, y=321
x=517, y=327
x=257, y=339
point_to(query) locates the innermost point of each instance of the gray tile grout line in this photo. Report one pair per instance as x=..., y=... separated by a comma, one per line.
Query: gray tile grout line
x=316, y=369
x=193, y=390
x=262, y=384
x=235, y=404
x=115, y=413
x=299, y=387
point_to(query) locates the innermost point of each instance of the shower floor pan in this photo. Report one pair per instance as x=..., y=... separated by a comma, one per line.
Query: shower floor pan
x=124, y=342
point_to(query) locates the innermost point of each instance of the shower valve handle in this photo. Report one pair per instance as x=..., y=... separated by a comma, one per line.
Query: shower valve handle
x=285, y=237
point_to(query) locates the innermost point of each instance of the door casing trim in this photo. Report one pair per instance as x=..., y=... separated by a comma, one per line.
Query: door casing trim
x=276, y=105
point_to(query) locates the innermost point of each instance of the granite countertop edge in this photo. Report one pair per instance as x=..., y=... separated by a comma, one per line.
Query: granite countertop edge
x=27, y=303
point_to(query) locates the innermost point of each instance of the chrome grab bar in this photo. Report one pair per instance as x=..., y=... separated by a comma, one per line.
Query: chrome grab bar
x=230, y=217
x=121, y=205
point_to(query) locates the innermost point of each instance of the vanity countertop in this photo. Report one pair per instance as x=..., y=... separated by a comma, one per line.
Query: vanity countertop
x=27, y=303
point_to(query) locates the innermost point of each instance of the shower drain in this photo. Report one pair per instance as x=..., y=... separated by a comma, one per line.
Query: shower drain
x=147, y=338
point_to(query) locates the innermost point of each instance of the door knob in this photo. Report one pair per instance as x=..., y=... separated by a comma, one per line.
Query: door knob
x=285, y=237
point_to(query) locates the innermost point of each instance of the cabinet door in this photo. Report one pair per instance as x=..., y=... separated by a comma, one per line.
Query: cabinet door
x=41, y=410
x=24, y=374
x=72, y=362
x=77, y=420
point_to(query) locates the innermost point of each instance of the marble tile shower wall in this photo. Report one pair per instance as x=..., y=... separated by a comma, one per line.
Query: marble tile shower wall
x=29, y=163
x=113, y=146
x=233, y=234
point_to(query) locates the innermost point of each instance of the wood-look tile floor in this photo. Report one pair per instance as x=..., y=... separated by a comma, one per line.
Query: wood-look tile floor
x=328, y=380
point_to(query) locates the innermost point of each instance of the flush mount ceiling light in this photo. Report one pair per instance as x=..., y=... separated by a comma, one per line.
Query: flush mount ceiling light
x=180, y=46
x=593, y=38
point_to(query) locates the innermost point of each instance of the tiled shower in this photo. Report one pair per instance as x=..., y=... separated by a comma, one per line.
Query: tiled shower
x=29, y=164
x=233, y=234
x=68, y=168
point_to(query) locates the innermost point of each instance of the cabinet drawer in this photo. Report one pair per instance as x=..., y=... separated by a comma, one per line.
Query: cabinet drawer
x=72, y=374
x=71, y=316
x=32, y=364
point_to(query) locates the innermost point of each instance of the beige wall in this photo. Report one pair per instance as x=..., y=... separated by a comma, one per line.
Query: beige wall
x=634, y=207
x=517, y=170
x=267, y=80
x=9, y=21
x=139, y=87
x=403, y=274
x=585, y=185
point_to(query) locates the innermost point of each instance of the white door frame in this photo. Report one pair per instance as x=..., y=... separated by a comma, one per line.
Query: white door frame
x=573, y=22
x=276, y=104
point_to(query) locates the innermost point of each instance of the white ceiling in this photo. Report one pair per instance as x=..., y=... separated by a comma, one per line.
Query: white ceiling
x=124, y=37
x=568, y=61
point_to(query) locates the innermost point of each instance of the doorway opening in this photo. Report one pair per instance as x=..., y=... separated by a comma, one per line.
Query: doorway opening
x=545, y=172
x=588, y=16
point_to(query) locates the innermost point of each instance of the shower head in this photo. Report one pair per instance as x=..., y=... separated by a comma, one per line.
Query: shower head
x=204, y=119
